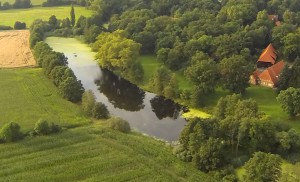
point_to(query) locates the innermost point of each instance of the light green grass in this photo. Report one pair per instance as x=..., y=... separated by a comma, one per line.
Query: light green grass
x=150, y=65
x=93, y=153
x=33, y=2
x=9, y=17
x=26, y=96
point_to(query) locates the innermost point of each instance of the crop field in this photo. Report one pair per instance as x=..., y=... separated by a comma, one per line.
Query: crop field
x=27, y=95
x=9, y=17
x=93, y=153
x=33, y=2
x=15, y=50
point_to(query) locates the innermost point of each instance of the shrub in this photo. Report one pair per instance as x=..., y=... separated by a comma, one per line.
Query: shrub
x=10, y=132
x=42, y=127
x=119, y=125
x=100, y=111
x=54, y=128
x=19, y=25
x=3, y=27
x=88, y=102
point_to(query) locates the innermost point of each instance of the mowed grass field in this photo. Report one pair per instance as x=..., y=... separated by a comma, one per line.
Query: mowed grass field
x=26, y=96
x=93, y=153
x=33, y=2
x=9, y=17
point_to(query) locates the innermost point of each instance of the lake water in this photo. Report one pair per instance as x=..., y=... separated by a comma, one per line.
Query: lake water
x=146, y=112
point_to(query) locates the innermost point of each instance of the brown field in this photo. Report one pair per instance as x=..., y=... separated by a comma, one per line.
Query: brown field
x=14, y=49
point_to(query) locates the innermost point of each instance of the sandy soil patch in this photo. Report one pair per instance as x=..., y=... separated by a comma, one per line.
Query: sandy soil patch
x=14, y=49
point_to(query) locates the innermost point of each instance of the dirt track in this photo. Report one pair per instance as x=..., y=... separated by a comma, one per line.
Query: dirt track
x=14, y=49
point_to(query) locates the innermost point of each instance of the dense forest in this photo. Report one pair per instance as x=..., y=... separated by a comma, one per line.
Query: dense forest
x=214, y=44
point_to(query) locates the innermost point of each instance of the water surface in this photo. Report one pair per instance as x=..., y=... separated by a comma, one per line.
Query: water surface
x=146, y=112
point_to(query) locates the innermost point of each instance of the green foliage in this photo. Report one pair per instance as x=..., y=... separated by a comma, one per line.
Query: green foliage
x=88, y=102
x=117, y=53
x=100, y=111
x=263, y=167
x=22, y=4
x=71, y=89
x=290, y=76
x=53, y=22
x=235, y=73
x=291, y=47
x=210, y=155
x=42, y=127
x=164, y=83
x=119, y=125
x=19, y=25
x=10, y=132
x=72, y=15
x=203, y=74
x=290, y=101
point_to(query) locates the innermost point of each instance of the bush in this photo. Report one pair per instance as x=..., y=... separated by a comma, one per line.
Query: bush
x=54, y=128
x=3, y=27
x=42, y=127
x=88, y=102
x=10, y=132
x=119, y=125
x=100, y=111
x=19, y=25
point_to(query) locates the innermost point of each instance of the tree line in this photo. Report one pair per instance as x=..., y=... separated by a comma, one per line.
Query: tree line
x=215, y=43
x=237, y=131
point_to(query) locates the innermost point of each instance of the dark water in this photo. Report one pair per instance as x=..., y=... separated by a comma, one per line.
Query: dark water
x=146, y=112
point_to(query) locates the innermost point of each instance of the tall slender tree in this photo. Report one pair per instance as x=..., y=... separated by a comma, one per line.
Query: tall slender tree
x=72, y=13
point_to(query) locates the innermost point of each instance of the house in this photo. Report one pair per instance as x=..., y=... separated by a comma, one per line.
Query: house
x=267, y=58
x=274, y=18
x=268, y=77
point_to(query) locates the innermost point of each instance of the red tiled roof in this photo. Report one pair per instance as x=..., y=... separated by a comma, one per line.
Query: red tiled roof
x=256, y=73
x=268, y=55
x=273, y=17
x=272, y=73
x=277, y=23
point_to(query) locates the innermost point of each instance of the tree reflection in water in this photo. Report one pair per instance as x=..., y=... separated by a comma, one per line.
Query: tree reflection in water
x=163, y=107
x=121, y=93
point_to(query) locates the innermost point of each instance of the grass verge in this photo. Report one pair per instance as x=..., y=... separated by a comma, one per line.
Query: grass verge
x=93, y=153
x=27, y=95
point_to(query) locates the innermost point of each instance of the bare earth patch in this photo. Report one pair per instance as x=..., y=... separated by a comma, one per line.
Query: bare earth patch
x=14, y=49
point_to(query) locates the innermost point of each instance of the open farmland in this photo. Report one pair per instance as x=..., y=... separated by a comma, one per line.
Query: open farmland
x=27, y=96
x=33, y=2
x=9, y=17
x=93, y=153
x=15, y=51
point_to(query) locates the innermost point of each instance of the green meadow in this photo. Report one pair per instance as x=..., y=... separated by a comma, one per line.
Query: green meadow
x=93, y=153
x=27, y=95
x=33, y=2
x=9, y=17
x=265, y=97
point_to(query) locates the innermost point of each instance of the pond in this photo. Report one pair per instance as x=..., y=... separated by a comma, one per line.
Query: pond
x=146, y=112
